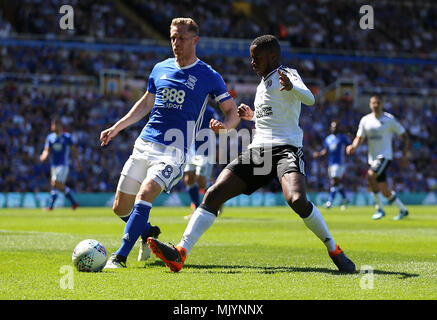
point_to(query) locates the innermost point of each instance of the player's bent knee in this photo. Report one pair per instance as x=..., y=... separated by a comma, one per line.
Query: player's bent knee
x=201, y=182
x=210, y=194
x=121, y=210
x=188, y=180
x=59, y=185
x=123, y=203
x=214, y=197
x=371, y=174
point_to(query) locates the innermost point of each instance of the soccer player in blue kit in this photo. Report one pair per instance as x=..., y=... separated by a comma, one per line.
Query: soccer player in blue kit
x=335, y=146
x=58, y=146
x=199, y=167
x=177, y=94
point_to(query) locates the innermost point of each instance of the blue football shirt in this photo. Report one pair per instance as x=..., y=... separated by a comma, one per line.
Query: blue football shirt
x=59, y=146
x=181, y=97
x=336, y=146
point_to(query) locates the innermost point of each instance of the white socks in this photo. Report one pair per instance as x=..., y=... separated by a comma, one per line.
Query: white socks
x=317, y=225
x=397, y=202
x=202, y=220
x=394, y=199
x=199, y=222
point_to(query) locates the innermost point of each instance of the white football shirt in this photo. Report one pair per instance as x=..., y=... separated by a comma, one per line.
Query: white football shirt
x=277, y=112
x=379, y=133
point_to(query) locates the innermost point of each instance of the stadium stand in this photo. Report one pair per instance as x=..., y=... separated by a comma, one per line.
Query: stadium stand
x=320, y=24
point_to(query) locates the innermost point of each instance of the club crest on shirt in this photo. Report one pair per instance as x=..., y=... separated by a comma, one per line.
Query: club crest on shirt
x=191, y=82
x=269, y=83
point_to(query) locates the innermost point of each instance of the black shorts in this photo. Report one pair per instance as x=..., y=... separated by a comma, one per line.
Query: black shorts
x=380, y=166
x=258, y=166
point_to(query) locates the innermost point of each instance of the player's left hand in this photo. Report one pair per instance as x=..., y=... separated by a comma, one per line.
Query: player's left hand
x=284, y=81
x=216, y=125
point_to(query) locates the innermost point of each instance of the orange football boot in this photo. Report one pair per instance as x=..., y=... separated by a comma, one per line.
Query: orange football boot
x=173, y=256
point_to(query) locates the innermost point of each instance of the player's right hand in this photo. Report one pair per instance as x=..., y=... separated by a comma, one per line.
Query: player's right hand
x=107, y=135
x=245, y=112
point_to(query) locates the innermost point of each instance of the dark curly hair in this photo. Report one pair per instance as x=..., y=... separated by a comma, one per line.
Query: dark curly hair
x=267, y=42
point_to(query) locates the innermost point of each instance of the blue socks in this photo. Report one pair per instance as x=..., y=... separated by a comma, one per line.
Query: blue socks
x=54, y=196
x=69, y=196
x=135, y=226
x=332, y=193
x=343, y=194
x=146, y=231
x=193, y=191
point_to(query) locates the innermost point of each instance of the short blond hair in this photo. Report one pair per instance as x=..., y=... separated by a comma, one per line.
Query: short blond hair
x=192, y=25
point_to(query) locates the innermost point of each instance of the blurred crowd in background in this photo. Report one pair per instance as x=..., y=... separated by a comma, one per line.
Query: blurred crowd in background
x=25, y=113
x=52, y=60
x=25, y=118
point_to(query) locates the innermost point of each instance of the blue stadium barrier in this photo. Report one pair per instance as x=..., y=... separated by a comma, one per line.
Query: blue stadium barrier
x=176, y=199
x=231, y=48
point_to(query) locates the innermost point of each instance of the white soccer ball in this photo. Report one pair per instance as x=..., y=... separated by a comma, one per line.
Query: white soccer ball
x=89, y=256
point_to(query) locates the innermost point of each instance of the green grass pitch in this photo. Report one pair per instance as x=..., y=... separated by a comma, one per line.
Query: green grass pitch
x=262, y=253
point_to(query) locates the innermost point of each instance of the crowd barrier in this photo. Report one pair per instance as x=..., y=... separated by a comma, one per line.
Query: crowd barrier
x=175, y=199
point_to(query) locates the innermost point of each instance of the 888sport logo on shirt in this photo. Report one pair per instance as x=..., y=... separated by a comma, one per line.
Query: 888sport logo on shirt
x=173, y=98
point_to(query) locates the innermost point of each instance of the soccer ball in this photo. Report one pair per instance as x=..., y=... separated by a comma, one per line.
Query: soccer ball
x=89, y=256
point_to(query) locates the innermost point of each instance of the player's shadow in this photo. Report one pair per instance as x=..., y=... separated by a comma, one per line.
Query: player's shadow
x=235, y=269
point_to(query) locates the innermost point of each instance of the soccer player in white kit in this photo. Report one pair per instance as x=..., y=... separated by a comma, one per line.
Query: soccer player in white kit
x=379, y=127
x=275, y=153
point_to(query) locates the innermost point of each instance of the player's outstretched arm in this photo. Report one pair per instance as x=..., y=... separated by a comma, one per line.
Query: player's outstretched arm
x=140, y=109
x=44, y=155
x=231, y=120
